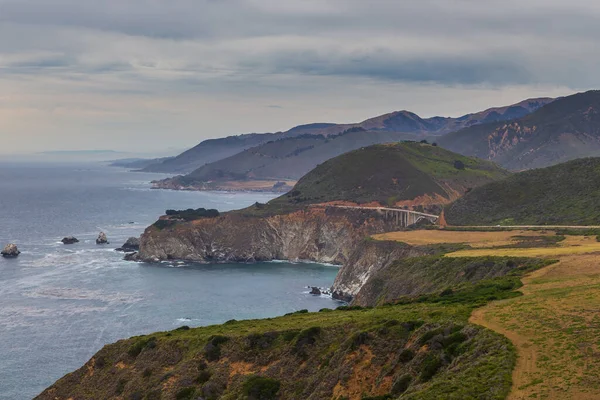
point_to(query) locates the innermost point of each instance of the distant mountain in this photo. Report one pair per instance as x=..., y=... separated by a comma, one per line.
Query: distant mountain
x=280, y=160
x=138, y=163
x=564, y=194
x=565, y=129
x=79, y=152
x=400, y=123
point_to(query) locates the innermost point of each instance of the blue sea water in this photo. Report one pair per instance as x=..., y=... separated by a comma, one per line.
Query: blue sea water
x=60, y=304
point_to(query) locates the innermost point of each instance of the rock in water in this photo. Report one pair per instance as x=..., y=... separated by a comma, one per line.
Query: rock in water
x=70, y=240
x=132, y=244
x=10, y=251
x=102, y=239
x=315, y=290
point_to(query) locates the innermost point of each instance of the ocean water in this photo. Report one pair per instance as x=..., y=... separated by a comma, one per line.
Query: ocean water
x=60, y=304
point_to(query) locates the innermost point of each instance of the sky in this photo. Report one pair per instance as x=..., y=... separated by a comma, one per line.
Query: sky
x=157, y=76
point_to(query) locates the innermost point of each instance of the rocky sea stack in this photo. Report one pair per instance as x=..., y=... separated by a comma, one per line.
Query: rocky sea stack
x=70, y=240
x=10, y=250
x=102, y=239
x=132, y=244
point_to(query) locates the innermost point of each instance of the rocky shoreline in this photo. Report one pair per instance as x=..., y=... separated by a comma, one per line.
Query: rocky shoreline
x=251, y=186
x=323, y=235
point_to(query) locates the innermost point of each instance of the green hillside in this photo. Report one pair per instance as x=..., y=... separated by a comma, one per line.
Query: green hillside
x=392, y=173
x=424, y=348
x=564, y=194
x=563, y=130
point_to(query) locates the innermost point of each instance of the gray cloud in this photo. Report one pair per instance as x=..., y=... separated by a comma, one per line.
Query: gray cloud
x=130, y=59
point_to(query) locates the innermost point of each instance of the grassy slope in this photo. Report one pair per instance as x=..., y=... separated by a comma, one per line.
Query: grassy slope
x=390, y=173
x=416, y=350
x=563, y=130
x=564, y=194
x=555, y=326
x=467, y=276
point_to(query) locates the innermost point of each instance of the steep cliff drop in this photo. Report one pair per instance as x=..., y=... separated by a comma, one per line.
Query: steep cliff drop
x=329, y=214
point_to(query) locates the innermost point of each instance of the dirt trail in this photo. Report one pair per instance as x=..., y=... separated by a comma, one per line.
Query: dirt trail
x=554, y=328
x=527, y=353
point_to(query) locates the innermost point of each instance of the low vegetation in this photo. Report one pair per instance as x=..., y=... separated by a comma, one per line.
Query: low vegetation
x=386, y=174
x=191, y=214
x=439, y=279
x=416, y=347
x=570, y=197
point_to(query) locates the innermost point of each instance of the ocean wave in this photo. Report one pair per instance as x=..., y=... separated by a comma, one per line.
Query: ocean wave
x=83, y=294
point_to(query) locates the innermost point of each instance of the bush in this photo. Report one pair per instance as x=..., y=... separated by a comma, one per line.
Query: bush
x=306, y=337
x=100, y=363
x=185, y=393
x=203, y=377
x=191, y=214
x=297, y=312
x=459, y=165
x=261, y=341
x=288, y=336
x=406, y=355
x=120, y=386
x=141, y=344
x=358, y=339
x=261, y=388
x=163, y=223
x=212, y=350
x=401, y=384
x=430, y=367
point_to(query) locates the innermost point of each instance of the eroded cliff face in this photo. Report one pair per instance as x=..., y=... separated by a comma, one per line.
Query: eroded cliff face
x=368, y=258
x=329, y=235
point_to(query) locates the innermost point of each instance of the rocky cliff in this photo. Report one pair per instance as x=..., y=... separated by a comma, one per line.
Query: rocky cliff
x=368, y=258
x=320, y=234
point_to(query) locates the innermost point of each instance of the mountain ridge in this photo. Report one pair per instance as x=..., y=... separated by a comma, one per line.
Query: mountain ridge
x=565, y=129
x=400, y=122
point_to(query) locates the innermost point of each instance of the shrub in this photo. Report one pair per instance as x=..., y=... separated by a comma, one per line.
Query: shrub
x=162, y=224
x=288, y=336
x=262, y=341
x=306, y=337
x=147, y=373
x=120, y=386
x=203, y=377
x=431, y=364
x=261, y=388
x=100, y=363
x=212, y=350
x=185, y=393
x=191, y=214
x=401, y=384
x=136, y=396
x=141, y=344
x=183, y=328
x=358, y=339
x=406, y=355
x=298, y=312
x=459, y=164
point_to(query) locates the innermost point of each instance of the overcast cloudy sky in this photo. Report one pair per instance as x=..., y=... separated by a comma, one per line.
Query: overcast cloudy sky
x=151, y=75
